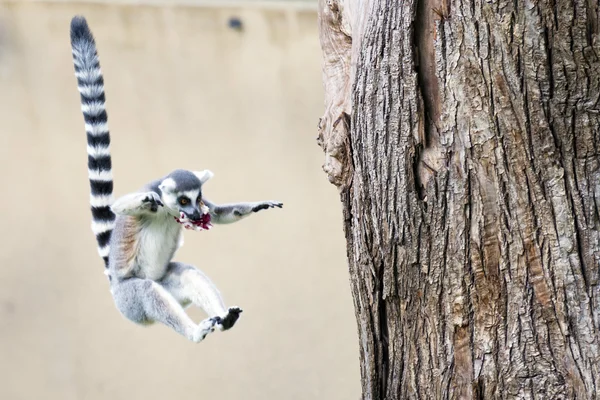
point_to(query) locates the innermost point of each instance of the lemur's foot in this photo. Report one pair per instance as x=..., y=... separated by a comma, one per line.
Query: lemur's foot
x=152, y=201
x=266, y=205
x=204, y=328
x=230, y=319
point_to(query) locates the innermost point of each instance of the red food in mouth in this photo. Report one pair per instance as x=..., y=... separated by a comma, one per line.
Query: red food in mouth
x=203, y=222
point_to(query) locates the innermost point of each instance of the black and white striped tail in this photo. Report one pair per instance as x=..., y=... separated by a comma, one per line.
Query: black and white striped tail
x=91, y=87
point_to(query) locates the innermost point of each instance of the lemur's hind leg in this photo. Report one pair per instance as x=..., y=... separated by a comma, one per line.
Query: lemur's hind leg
x=144, y=301
x=190, y=285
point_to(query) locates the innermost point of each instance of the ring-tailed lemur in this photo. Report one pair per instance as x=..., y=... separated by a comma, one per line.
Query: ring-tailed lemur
x=139, y=233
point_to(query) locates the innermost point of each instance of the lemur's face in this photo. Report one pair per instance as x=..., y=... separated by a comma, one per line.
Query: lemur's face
x=181, y=192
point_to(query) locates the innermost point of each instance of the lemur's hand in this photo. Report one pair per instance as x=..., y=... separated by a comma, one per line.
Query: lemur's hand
x=267, y=204
x=152, y=201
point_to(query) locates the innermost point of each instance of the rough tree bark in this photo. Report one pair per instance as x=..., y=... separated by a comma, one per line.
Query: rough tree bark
x=463, y=136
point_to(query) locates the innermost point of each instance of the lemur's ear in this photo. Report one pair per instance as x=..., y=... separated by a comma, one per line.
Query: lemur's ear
x=167, y=186
x=204, y=175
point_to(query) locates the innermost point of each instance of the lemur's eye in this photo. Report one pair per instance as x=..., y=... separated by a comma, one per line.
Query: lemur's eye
x=184, y=201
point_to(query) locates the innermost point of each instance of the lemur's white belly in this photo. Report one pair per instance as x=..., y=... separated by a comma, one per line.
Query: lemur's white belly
x=158, y=242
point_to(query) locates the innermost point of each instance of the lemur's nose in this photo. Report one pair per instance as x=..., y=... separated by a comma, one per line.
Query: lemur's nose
x=195, y=215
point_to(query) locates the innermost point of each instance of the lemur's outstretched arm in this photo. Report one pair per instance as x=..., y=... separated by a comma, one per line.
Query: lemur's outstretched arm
x=137, y=204
x=228, y=213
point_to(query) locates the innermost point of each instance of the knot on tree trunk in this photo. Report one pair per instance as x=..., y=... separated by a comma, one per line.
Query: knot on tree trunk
x=334, y=126
x=334, y=140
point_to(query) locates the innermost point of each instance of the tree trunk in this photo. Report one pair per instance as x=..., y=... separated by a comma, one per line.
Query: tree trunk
x=463, y=137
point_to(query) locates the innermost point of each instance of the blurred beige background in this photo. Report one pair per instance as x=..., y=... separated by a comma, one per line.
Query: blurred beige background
x=183, y=91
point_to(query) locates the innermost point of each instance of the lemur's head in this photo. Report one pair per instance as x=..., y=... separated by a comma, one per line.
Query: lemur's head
x=181, y=192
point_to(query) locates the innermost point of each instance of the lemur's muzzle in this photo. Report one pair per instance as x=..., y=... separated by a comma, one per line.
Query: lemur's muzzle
x=195, y=216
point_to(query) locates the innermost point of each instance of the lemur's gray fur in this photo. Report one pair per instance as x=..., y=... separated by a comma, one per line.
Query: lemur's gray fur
x=139, y=233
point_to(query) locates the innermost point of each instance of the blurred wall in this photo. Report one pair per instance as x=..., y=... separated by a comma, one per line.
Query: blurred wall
x=183, y=91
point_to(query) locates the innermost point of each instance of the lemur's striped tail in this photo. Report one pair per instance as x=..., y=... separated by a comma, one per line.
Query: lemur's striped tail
x=91, y=87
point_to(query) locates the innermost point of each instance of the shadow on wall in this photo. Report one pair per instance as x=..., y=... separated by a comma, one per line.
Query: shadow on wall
x=184, y=90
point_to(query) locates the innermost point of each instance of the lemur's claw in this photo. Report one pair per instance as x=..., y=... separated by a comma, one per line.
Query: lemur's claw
x=266, y=205
x=231, y=318
x=227, y=322
x=204, y=328
x=154, y=200
x=214, y=322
